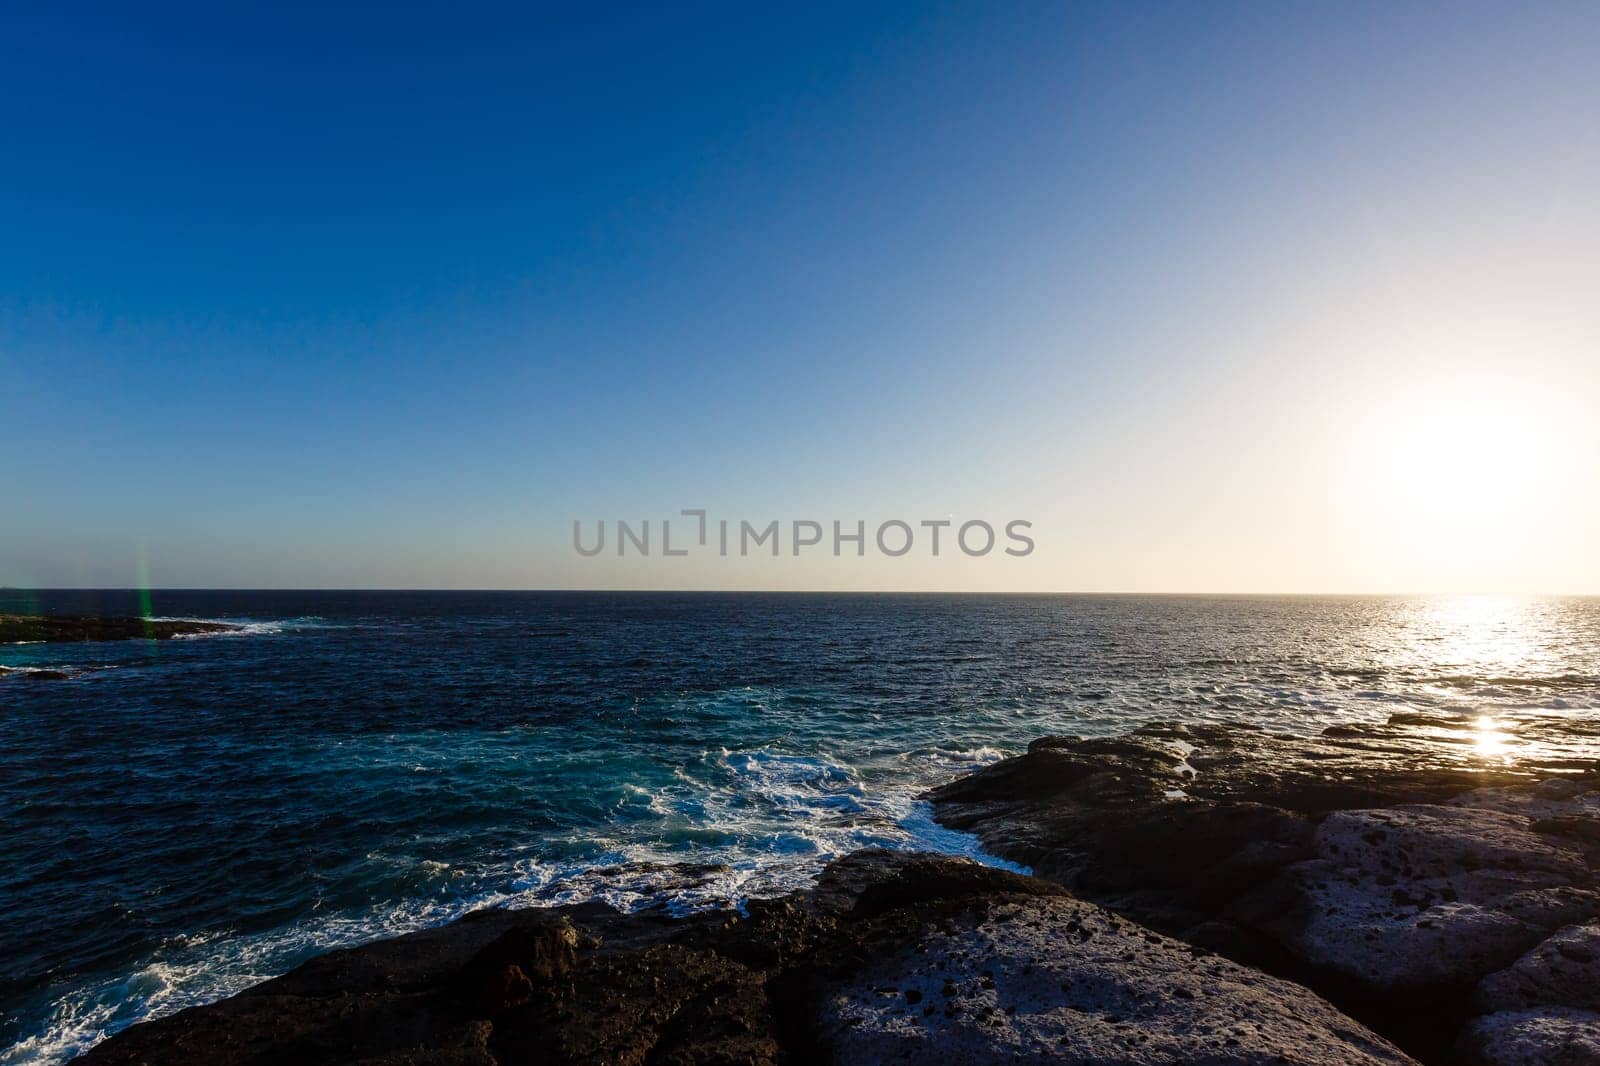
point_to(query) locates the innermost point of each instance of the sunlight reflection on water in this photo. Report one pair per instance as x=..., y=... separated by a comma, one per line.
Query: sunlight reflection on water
x=392, y=760
x=1481, y=636
x=1492, y=744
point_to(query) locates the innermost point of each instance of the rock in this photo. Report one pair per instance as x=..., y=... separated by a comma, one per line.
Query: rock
x=855, y=970
x=34, y=674
x=1560, y=1037
x=505, y=989
x=1051, y=979
x=1356, y=928
x=55, y=629
x=1388, y=868
x=1443, y=900
x=1562, y=971
x=1410, y=899
x=542, y=951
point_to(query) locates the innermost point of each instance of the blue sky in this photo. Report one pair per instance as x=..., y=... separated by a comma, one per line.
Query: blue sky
x=389, y=296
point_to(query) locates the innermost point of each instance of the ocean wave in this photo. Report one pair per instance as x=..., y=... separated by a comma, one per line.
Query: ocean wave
x=245, y=627
x=437, y=758
x=767, y=822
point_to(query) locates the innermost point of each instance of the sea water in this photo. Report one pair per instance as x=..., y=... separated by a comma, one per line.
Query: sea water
x=181, y=819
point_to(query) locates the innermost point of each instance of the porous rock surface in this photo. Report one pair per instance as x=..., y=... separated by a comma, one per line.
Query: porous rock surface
x=1049, y=979
x=1543, y=1008
x=1548, y=1036
x=1382, y=866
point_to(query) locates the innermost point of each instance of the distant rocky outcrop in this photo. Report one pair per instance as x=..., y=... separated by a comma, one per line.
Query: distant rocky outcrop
x=1446, y=899
x=58, y=629
x=891, y=958
x=33, y=674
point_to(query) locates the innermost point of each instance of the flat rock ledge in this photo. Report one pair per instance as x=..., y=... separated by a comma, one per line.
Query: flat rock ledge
x=1406, y=871
x=891, y=958
x=62, y=629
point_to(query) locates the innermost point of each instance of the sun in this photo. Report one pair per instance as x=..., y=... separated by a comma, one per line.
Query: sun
x=1461, y=468
x=1462, y=446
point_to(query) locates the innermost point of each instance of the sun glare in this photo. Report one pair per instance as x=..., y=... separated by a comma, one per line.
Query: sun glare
x=1491, y=744
x=1461, y=470
x=1470, y=442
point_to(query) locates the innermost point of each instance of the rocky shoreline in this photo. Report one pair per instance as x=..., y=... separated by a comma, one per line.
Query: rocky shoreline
x=1202, y=894
x=64, y=629
x=1405, y=872
x=76, y=629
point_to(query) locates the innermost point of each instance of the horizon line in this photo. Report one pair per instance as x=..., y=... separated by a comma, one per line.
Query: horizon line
x=796, y=592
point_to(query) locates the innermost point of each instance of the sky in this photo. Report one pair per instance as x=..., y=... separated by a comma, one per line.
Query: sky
x=1217, y=298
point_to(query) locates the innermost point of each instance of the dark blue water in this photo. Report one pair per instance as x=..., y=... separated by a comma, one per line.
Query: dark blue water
x=184, y=818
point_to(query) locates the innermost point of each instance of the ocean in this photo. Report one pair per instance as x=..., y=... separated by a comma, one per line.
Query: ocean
x=181, y=819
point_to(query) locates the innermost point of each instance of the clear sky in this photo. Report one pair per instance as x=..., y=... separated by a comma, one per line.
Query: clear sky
x=1263, y=297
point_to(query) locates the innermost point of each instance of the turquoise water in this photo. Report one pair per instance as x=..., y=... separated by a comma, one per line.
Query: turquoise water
x=185, y=818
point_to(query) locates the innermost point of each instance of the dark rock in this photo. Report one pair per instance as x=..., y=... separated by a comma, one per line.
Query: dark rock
x=35, y=674
x=504, y=990
x=545, y=951
x=1394, y=873
x=921, y=880
x=56, y=629
x=845, y=972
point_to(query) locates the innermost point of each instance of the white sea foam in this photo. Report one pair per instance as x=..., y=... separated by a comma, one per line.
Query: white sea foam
x=241, y=627
x=790, y=779
x=768, y=822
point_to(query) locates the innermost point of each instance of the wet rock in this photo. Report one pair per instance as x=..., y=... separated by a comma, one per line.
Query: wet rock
x=34, y=674
x=55, y=629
